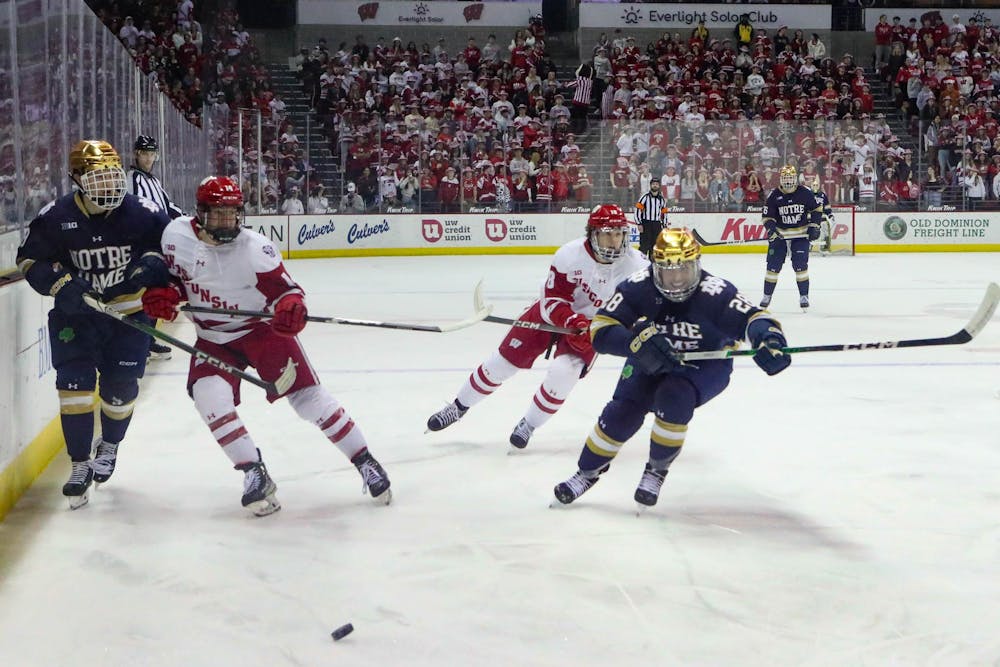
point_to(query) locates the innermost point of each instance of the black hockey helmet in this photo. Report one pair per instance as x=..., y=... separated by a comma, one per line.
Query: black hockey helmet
x=144, y=142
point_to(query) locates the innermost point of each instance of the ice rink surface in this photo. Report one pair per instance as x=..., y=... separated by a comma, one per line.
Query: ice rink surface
x=842, y=513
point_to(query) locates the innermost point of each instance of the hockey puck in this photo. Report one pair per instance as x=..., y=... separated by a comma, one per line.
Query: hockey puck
x=342, y=632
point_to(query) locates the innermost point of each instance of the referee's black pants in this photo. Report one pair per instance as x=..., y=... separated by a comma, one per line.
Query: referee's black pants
x=578, y=117
x=648, y=232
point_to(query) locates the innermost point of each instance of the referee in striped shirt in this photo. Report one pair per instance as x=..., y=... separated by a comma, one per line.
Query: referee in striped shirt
x=141, y=179
x=142, y=183
x=651, y=216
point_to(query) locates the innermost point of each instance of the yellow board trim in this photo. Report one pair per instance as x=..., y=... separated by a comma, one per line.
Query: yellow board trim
x=29, y=465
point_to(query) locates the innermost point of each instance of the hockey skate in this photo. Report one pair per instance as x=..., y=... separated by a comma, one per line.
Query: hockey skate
x=521, y=434
x=77, y=488
x=258, y=488
x=158, y=352
x=376, y=482
x=804, y=302
x=577, y=485
x=105, y=457
x=766, y=301
x=648, y=491
x=446, y=416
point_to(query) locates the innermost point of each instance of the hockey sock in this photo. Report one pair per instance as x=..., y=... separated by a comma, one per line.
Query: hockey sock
x=665, y=443
x=75, y=383
x=599, y=450
x=562, y=376
x=486, y=379
x=117, y=402
x=315, y=404
x=802, y=280
x=770, y=281
x=213, y=397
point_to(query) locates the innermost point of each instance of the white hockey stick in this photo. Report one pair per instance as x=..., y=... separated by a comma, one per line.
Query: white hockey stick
x=481, y=312
x=979, y=320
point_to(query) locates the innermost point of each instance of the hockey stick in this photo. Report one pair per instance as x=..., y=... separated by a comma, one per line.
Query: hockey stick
x=537, y=326
x=698, y=237
x=482, y=311
x=278, y=387
x=964, y=335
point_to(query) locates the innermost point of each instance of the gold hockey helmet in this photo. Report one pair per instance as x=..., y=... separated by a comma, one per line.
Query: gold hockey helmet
x=96, y=168
x=676, y=263
x=788, y=179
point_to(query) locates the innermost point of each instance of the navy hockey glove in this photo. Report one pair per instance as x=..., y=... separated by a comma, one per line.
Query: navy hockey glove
x=772, y=231
x=813, y=232
x=769, y=356
x=652, y=352
x=69, y=292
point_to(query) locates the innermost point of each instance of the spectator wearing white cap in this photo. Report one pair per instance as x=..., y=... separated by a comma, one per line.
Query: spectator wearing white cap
x=292, y=204
x=352, y=202
x=956, y=30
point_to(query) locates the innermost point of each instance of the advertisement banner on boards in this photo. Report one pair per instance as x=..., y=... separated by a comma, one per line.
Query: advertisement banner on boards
x=961, y=230
x=429, y=13
x=649, y=15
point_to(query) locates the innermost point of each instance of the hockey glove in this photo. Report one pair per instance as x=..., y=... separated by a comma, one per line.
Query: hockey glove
x=772, y=231
x=161, y=302
x=652, y=352
x=69, y=291
x=289, y=315
x=769, y=356
x=580, y=344
x=813, y=232
x=577, y=321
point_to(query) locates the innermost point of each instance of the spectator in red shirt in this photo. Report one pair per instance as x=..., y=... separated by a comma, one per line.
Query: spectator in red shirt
x=448, y=190
x=560, y=183
x=582, y=186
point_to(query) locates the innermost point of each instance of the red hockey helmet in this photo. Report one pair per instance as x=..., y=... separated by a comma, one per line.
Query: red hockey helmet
x=220, y=208
x=607, y=232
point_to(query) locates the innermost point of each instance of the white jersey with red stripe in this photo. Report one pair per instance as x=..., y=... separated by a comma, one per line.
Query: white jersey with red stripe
x=244, y=274
x=579, y=284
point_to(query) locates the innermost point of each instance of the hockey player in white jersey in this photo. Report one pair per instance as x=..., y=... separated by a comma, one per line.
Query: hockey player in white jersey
x=583, y=275
x=217, y=263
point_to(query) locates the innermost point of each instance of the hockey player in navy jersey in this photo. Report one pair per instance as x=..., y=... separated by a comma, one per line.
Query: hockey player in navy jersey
x=825, y=240
x=673, y=306
x=98, y=241
x=791, y=218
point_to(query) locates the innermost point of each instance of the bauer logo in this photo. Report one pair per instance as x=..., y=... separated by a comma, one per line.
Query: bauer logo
x=432, y=230
x=496, y=229
x=894, y=228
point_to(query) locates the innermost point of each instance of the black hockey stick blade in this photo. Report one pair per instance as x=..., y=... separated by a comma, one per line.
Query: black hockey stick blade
x=537, y=326
x=482, y=310
x=701, y=240
x=278, y=387
x=979, y=320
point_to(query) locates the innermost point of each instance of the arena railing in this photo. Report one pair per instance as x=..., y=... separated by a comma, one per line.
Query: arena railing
x=65, y=77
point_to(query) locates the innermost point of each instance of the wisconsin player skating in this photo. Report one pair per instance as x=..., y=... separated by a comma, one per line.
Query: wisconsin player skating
x=792, y=218
x=217, y=263
x=583, y=274
x=100, y=241
x=675, y=306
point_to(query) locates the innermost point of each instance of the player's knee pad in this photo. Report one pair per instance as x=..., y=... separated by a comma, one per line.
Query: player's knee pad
x=313, y=403
x=118, y=390
x=497, y=369
x=76, y=376
x=620, y=419
x=213, y=398
x=800, y=261
x=675, y=400
x=562, y=375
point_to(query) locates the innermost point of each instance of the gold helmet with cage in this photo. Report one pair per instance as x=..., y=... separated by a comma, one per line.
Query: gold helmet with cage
x=96, y=168
x=676, y=263
x=788, y=179
x=815, y=184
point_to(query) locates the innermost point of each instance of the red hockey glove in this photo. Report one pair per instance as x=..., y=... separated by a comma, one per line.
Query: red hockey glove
x=577, y=321
x=289, y=315
x=161, y=302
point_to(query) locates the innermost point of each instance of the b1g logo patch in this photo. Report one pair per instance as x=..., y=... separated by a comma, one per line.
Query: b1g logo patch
x=894, y=228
